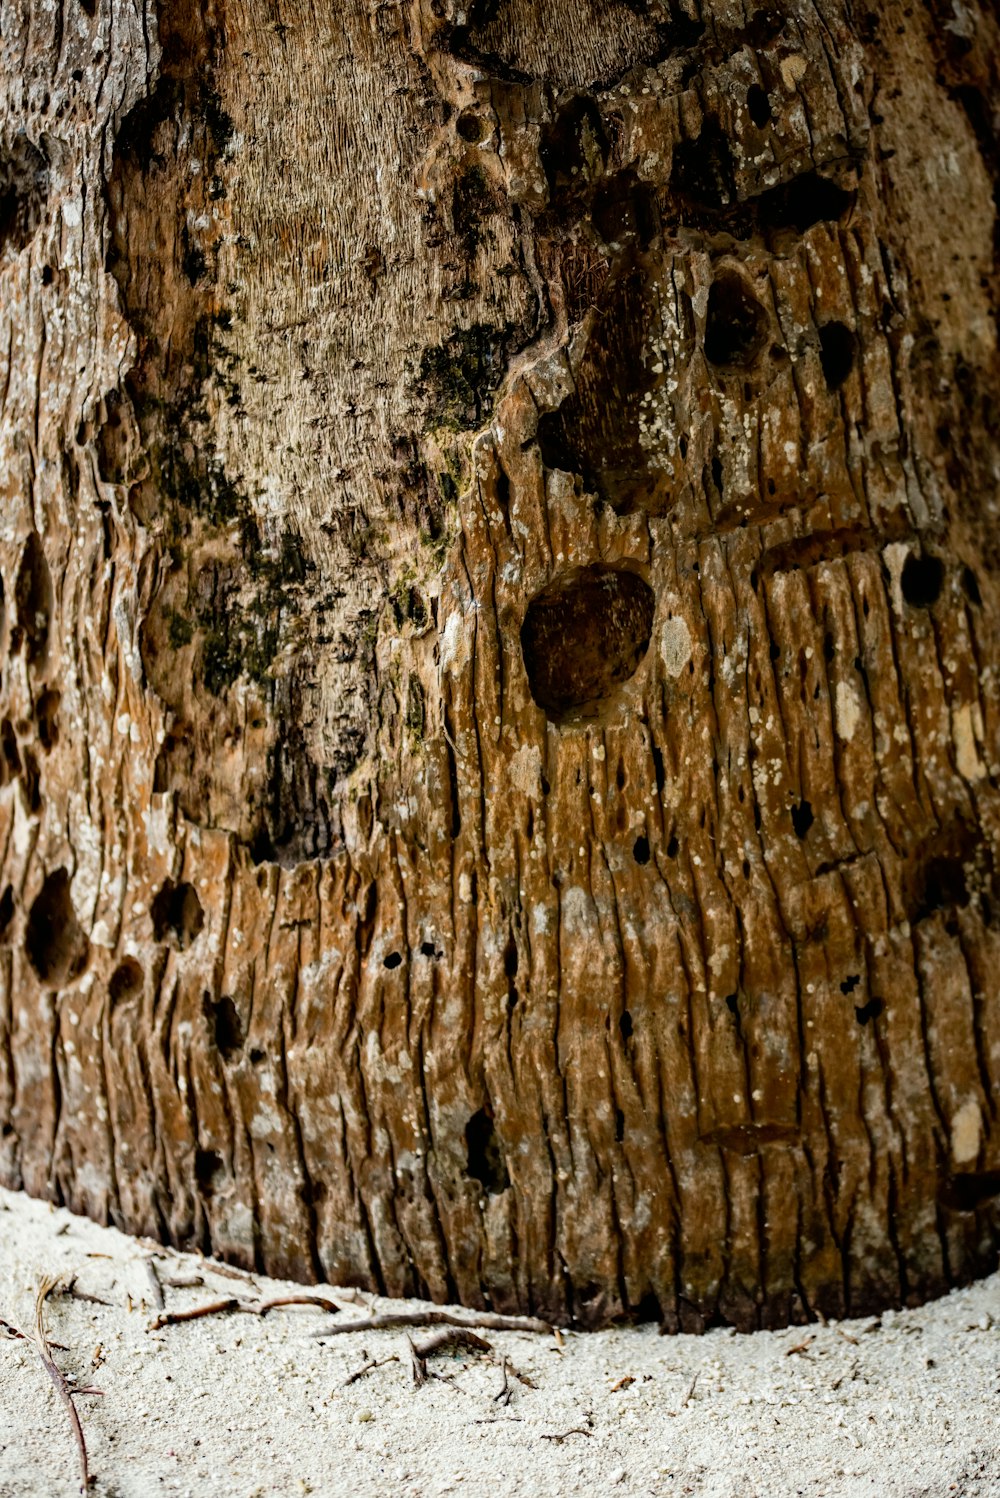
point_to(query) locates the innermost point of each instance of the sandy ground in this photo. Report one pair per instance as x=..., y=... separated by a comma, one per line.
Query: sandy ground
x=908, y=1404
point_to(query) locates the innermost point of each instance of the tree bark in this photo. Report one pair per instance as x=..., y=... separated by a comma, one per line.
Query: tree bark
x=500, y=690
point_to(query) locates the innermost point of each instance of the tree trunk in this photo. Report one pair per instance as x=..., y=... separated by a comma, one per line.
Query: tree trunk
x=501, y=733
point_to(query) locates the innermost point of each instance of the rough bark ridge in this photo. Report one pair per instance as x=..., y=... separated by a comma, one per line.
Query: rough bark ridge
x=500, y=702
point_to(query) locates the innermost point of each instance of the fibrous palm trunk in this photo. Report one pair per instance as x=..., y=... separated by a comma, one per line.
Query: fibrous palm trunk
x=500, y=717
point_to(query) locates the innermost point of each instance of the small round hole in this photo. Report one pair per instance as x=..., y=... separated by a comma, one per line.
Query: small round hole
x=471, y=126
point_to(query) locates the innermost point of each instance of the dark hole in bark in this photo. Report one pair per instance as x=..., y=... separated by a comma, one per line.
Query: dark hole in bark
x=510, y=958
x=177, y=915
x=802, y=818
x=46, y=716
x=486, y=1163
x=227, y=1031
x=658, y=770
x=31, y=782
x=758, y=105
x=736, y=328
x=583, y=636
x=619, y=1125
x=55, y=942
x=427, y=949
x=806, y=200
x=126, y=981
x=474, y=198
x=625, y=1025
x=944, y=885
x=970, y=584
x=207, y=1169
x=596, y=432
x=922, y=580
x=393, y=960
x=702, y=169
x=640, y=850
x=624, y=210
x=10, y=757
x=969, y=1189
x=111, y=442
x=24, y=186
x=733, y=1004
x=33, y=599
x=850, y=983
x=471, y=126
x=256, y=1056
x=262, y=849
x=573, y=149
x=868, y=1011
x=717, y=478
x=836, y=353
x=672, y=848
x=6, y=912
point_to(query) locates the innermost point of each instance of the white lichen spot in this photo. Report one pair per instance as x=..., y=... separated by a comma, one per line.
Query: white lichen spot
x=965, y=721
x=848, y=711
x=675, y=646
x=966, y=1129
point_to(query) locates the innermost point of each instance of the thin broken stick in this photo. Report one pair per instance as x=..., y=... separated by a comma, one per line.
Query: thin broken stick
x=447, y=1336
x=154, y=1283
x=369, y=1367
x=62, y=1388
x=389, y=1321
x=231, y=1303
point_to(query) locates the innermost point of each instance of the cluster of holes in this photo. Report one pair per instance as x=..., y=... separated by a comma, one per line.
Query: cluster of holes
x=177, y=915
x=583, y=636
x=55, y=942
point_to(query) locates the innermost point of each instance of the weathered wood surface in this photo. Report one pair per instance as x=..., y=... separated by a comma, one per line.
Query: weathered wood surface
x=500, y=699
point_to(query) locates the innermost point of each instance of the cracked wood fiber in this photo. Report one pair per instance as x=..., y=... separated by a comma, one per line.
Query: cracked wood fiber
x=499, y=714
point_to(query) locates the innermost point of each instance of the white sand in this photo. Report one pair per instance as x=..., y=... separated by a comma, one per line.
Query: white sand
x=238, y=1405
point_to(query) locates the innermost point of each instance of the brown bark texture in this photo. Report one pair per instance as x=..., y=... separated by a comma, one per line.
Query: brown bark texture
x=500, y=716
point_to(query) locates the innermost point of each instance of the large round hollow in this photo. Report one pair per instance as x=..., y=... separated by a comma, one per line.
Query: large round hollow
x=736, y=328
x=583, y=636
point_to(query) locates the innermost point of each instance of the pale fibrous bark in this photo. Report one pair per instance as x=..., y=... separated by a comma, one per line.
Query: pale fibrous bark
x=500, y=701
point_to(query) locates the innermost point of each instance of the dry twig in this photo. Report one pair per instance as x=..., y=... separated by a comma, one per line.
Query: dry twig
x=154, y=1283
x=369, y=1367
x=62, y=1388
x=246, y=1307
x=448, y=1336
x=395, y=1320
x=577, y=1430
